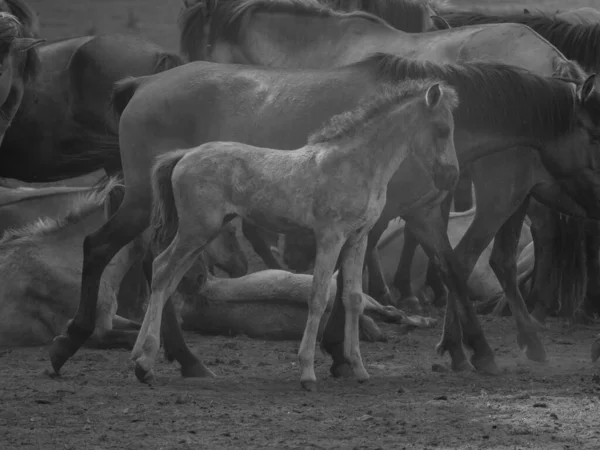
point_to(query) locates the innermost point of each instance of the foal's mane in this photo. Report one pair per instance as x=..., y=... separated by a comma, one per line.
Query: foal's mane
x=228, y=14
x=81, y=206
x=580, y=42
x=387, y=97
x=493, y=97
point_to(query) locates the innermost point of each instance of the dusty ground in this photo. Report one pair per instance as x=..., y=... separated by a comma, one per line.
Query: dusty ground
x=257, y=402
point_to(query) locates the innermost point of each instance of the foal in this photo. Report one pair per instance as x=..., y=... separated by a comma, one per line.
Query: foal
x=335, y=186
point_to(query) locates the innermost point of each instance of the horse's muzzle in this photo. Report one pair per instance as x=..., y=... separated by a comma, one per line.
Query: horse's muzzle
x=445, y=176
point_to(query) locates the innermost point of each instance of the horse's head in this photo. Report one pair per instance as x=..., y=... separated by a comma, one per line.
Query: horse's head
x=225, y=253
x=19, y=64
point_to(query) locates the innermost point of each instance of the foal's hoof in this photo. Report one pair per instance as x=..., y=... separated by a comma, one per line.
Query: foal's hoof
x=411, y=305
x=485, y=365
x=61, y=349
x=198, y=370
x=309, y=385
x=143, y=374
x=340, y=370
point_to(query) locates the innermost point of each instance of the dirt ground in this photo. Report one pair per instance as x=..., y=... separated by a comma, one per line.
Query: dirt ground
x=257, y=402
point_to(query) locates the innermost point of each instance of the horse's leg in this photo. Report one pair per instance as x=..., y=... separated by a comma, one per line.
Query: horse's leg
x=460, y=320
x=503, y=262
x=254, y=235
x=173, y=340
x=463, y=192
x=402, y=278
x=378, y=288
x=98, y=250
x=328, y=250
x=432, y=278
x=168, y=270
x=353, y=256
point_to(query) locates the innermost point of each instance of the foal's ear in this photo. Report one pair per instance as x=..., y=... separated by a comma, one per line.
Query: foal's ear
x=588, y=89
x=22, y=44
x=526, y=11
x=433, y=95
x=440, y=23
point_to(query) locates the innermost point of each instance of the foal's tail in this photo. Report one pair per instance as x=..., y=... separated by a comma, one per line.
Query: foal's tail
x=164, y=219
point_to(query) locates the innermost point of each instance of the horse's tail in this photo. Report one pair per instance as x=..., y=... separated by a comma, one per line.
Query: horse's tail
x=166, y=61
x=164, y=219
x=568, y=261
x=123, y=91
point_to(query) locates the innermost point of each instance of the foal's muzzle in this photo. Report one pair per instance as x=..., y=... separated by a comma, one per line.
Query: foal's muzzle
x=445, y=176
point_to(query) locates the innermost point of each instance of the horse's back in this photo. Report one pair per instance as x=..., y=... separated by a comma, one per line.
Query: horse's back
x=509, y=43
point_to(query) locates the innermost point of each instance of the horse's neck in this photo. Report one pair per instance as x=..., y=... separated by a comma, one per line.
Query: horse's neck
x=73, y=234
x=291, y=41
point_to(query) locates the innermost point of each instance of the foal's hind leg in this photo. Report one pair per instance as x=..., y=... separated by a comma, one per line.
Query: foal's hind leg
x=169, y=268
x=98, y=250
x=503, y=262
x=173, y=340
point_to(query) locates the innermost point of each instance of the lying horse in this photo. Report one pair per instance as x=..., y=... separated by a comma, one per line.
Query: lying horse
x=333, y=186
x=271, y=304
x=40, y=259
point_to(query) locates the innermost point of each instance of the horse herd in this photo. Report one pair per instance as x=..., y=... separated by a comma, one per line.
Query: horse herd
x=320, y=120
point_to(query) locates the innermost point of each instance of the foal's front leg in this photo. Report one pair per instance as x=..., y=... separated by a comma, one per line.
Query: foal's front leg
x=328, y=250
x=353, y=257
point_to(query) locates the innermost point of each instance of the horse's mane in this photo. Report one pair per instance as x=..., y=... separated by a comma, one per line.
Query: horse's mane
x=492, y=96
x=404, y=15
x=580, y=42
x=386, y=98
x=26, y=15
x=82, y=205
x=227, y=15
x=29, y=64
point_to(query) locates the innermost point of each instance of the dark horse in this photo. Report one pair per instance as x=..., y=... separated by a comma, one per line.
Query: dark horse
x=19, y=64
x=61, y=129
x=567, y=250
x=540, y=124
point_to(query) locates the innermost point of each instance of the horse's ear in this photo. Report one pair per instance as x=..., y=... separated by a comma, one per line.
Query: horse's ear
x=433, y=95
x=587, y=89
x=22, y=44
x=526, y=11
x=440, y=23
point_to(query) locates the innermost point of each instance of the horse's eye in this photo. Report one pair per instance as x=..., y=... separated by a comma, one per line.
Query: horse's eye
x=442, y=131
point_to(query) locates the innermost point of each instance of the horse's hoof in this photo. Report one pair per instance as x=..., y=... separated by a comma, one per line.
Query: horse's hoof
x=61, y=349
x=411, y=305
x=486, y=365
x=198, y=370
x=340, y=370
x=143, y=374
x=309, y=385
x=533, y=347
x=596, y=350
x=463, y=366
x=387, y=299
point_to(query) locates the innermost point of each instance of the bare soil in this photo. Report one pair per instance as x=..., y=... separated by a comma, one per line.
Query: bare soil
x=257, y=401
